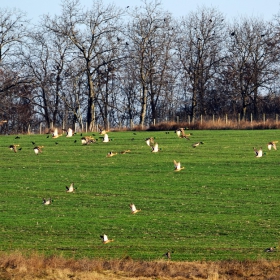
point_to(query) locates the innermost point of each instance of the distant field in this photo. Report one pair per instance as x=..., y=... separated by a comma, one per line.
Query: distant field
x=223, y=205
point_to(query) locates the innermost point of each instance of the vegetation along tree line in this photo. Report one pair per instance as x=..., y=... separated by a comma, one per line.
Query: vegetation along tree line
x=134, y=65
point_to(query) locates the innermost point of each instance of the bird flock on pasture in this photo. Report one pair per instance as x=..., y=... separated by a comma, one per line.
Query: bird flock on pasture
x=150, y=141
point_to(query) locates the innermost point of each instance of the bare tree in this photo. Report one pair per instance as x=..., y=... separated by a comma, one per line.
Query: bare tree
x=89, y=32
x=45, y=60
x=253, y=55
x=149, y=46
x=199, y=45
x=13, y=32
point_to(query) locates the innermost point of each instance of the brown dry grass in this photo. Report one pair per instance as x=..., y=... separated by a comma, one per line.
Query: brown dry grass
x=17, y=266
x=219, y=124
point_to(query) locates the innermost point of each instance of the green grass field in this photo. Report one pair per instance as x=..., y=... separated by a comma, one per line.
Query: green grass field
x=223, y=205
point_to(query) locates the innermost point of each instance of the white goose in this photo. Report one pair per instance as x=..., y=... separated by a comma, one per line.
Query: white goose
x=258, y=153
x=105, y=239
x=133, y=209
x=177, y=166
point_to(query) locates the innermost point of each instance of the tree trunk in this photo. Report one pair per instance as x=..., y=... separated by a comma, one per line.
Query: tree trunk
x=91, y=107
x=143, y=107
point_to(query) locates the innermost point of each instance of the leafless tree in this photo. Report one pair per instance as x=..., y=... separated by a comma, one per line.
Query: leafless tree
x=89, y=32
x=45, y=60
x=253, y=55
x=200, y=46
x=150, y=41
x=13, y=89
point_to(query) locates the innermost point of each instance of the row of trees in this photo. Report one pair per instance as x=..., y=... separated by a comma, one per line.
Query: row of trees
x=108, y=65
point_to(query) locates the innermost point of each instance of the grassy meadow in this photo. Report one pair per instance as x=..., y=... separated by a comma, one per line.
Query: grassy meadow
x=223, y=206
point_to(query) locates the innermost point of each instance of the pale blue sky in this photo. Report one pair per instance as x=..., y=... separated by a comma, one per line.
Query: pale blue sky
x=231, y=9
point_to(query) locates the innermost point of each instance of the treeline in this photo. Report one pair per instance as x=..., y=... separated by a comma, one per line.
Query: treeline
x=116, y=67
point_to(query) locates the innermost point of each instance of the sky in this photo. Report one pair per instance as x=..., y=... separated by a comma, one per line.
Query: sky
x=231, y=9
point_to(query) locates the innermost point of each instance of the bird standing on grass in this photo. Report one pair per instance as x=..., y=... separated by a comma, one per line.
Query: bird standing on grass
x=111, y=154
x=86, y=140
x=38, y=149
x=155, y=148
x=197, y=144
x=258, y=153
x=13, y=147
x=69, y=132
x=106, y=138
x=270, y=249
x=55, y=133
x=178, y=132
x=167, y=255
x=47, y=201
x=105, y=239
x=133, y=209
x=70, y=188
x=177, y=166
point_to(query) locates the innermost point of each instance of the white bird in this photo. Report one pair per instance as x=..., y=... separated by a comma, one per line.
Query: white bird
x=105, y=239
x=106, y=138
x=149, y=141
x=84, y=141
x=70, y=188
x=178, y=132
x=38, y=149
x=177, y=166
x=272, y=144
x=155, y=148
x=55, y=133
x=133, y=209
x=47, y=201
x=258, y=153
x=69, y=132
